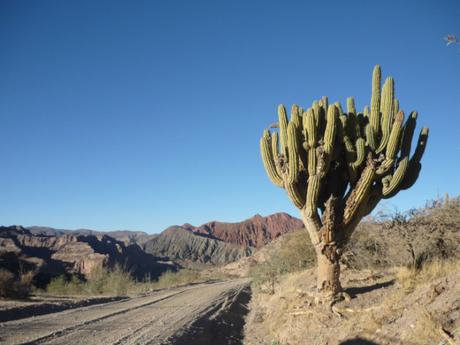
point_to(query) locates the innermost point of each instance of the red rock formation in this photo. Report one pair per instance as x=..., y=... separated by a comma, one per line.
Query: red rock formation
x=254, y=232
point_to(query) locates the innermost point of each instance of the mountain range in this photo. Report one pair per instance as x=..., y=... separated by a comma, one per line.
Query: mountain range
x=52, y=251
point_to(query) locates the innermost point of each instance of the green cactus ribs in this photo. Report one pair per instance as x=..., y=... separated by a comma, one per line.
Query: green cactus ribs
x=332, y=162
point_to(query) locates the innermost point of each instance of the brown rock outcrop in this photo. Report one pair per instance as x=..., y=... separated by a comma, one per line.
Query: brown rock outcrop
x=50, y=256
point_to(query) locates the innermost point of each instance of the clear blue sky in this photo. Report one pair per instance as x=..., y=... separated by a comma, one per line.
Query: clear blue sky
x=142, y=114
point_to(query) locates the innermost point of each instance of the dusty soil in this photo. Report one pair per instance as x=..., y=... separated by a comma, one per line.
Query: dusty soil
x=45, y=304
x=173, y=316
x=382, y=311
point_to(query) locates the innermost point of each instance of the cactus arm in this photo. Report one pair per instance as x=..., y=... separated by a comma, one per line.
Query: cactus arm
x=374, y=118
x=293, y=153
x=331, y=130
x=325, y=103
x=319, y=115
x=408, y=134
x=392, y=188
x=414, y=165
x=366, y=111
x=359, y=193
x=421, y=145
x=275, y=153
x=387, y=113
x=353, y=118
x=295, y=194
x=411, y=175
x=393, y=140
x=268, y=161
x=295, y=116
x=351, y=105
x=370, y=137
x=283, y=123
x=360, y=154
x=311, y=128
x=395, y=106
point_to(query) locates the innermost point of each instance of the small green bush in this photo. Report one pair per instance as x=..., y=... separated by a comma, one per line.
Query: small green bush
x=172, y=279
x=118, y=282
x=101, y=281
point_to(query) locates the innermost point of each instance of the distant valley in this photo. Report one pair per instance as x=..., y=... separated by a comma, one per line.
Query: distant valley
x=51, y=252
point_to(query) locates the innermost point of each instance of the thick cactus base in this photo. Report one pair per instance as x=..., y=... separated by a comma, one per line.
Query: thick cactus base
x=328, y=275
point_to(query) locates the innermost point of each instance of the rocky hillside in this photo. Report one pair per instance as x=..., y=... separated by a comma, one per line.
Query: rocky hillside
x=126, y=236
x=220, y=242
x=49, y=256
x=52, y=252
x=178, y=243
x=253, y=232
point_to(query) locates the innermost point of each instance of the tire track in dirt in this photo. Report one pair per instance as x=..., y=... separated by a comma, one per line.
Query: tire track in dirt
x=151, y=319
x=68, y=330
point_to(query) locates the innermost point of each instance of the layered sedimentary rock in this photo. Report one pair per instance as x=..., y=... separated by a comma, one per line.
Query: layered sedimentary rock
x=50, y=256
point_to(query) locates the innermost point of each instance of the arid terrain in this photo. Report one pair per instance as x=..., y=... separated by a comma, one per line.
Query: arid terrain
x=387, y=307
x=400, y=271
x=172, y=316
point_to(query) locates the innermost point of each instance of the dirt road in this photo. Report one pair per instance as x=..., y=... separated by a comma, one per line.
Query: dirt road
x=198, y=314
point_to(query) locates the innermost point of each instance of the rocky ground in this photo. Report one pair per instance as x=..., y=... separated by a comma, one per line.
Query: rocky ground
x=209, y=313
x=387, y=307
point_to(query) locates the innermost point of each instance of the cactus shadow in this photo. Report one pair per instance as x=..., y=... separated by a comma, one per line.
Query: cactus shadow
x=358, y=341
x=354, y=291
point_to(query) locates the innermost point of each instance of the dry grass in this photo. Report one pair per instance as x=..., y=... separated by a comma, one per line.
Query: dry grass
x=410, y=277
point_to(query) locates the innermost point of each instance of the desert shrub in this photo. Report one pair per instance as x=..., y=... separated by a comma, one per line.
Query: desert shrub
x=101, y=281
x=118, y=282
x=12, y=286
x=214, y=274
x=62, y=286
x=297, y=252
x=57, y=286
x=294, y=253
x=172, y=279
x=266, y=274
x=407, y=239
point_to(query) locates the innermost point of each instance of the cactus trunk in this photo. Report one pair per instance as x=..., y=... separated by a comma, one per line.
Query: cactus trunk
x=328, y=274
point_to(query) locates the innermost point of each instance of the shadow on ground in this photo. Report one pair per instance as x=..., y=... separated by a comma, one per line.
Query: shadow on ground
x=225, y=329
x=358, y=341
x=385, y=340
x=353, y=291
x=47, y=308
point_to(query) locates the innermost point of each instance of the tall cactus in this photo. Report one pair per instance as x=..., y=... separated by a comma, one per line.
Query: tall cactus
x=336, y=166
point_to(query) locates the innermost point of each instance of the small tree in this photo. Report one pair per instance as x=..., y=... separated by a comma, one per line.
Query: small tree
x=336, y=167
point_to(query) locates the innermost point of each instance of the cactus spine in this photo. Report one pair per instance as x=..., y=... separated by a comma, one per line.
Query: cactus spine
x=322, y=152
